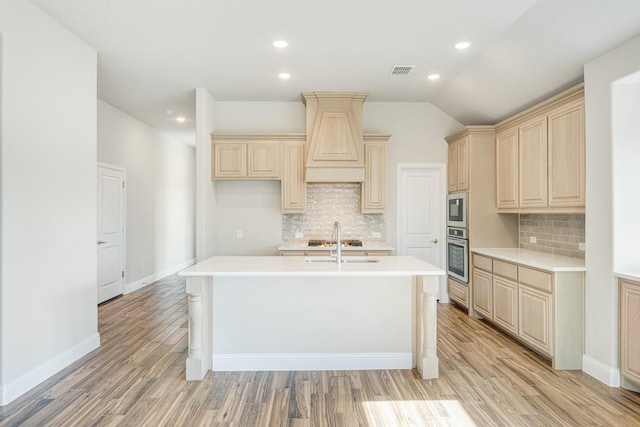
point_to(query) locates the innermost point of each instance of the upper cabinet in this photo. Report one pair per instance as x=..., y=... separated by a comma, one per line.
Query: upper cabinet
x=245, y=157
x=374, y=186
x=294, y=189
x=540, y=157
x=458, y=165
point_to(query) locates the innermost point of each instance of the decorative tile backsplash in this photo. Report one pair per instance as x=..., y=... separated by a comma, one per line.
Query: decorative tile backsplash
x=327, y=203
x=556, y=233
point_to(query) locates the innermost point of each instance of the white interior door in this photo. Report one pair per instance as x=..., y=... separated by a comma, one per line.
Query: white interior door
x=111, y=208
x=421, y=214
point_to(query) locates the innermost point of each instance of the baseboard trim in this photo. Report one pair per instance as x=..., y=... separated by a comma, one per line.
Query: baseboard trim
x=311, y=361
x=601, y=372
x=10, y=392
x=139, y=284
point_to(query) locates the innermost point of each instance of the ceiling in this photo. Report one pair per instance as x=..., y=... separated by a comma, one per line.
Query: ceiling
x=153, y=53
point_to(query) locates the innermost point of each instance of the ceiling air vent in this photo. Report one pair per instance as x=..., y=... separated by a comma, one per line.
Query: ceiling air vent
x=402, y=70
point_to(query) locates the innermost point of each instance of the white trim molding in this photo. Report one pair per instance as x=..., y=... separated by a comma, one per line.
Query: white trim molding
x=601, y=372
x=17, y=388
x=310, y=361
x=139, y=284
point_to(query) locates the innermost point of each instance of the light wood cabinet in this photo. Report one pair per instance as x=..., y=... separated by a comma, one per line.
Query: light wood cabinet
x=544, y=310
x=505, y=304
x=482, y=288
x=458, y=292
x=532, y=163
x=540, y=157
x=630, y=334
x=293, y=187
x=535, y=318
x=567, y=156
x=507, y=169
x=374, y=187
x=458, y=165
x=245, y=158
x=229, y=161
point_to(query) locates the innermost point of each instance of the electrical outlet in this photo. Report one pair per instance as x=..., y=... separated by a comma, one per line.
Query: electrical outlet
x=533, y=239
x=299, y=235
x=239, y=234
x=375, y=235
x=582, y=246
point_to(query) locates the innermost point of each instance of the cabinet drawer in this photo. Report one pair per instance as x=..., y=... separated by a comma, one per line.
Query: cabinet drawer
x=536, y=279
x=482, y=262
x=505, y=269
x=458, y=292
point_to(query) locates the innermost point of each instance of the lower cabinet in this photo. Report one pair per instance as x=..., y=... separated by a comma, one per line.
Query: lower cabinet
x=458, y=292
x=482, y=293
x=534, y=319
x=544, y=310
x=505, y=304
x=630, y=334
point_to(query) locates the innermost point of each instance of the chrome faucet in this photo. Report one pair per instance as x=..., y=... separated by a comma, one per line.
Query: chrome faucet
x=335, y=235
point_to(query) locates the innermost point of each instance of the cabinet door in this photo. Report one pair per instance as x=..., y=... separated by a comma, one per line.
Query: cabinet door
x=458, y=292
x=452, y=167
x=534, y=318
x=505, y=304
x=229, y=160
x=264, y=160
x=630, y=331
x=507, y=169
x=293, y=187
x=482, y=293
x=567, y=156
x=373, y=189
x=463, y=164
x=532, y=152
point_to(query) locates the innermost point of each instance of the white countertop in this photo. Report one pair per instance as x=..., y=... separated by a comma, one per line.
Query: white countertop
x=536, y=259
x=278, y=266
x=630, y=275
x=364, y=247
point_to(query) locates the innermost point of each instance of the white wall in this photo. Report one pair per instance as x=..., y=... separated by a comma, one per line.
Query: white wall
x=160, y=189
x=601, y=323
x=48, y=219
x=418, y=131
x=205, y=189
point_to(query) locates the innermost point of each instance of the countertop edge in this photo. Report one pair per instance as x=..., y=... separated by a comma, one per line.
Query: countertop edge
x=526, y=257
x=344, y=249
x=628, y=276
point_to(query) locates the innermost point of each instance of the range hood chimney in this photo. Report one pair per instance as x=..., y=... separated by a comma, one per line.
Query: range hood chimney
x=335, y=147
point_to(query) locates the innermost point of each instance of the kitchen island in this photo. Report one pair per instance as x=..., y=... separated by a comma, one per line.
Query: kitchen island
x=284, y=313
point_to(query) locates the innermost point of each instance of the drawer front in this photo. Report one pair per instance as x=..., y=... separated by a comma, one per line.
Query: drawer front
x=482, y=262
x=536, y=279
x=505, y=269
x=458, y=292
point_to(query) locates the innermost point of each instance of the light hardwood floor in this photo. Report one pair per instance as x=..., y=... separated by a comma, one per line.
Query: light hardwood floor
x=136, y=378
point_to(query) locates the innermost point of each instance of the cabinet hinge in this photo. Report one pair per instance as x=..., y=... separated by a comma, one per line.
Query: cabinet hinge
x=123, y=274
x=122, y=184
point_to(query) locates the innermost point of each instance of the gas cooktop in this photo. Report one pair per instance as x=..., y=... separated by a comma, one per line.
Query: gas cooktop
x=327, y=243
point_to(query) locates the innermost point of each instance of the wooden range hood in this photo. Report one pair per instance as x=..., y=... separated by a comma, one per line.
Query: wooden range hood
x=335, y=147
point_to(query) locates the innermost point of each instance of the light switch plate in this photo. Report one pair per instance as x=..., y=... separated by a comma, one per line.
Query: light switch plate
x=239, y=234
x=375, y=235
x=533, y=239
x=299, y=235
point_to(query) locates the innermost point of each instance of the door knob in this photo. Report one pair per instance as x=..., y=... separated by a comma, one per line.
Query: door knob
x=434, y=241
x=101, y=242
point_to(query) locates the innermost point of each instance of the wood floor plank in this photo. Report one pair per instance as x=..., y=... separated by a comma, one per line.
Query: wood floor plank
x=137, y=378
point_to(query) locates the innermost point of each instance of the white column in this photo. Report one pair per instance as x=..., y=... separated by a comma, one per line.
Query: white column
x=428, y=364
x=199, y=356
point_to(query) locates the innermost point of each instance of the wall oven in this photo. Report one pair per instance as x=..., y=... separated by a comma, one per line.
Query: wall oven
x=457, y=210
x=458, y=254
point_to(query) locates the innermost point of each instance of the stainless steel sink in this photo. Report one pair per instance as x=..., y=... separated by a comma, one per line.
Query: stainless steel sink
x=345, y=259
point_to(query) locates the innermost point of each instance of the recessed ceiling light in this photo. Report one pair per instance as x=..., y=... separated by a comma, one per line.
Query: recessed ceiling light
x=462, y=45
x=433, y=76
x=284, y=76
x=180, y=119
x=280, y=44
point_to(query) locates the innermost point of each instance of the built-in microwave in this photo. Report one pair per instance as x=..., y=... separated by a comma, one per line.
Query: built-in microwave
x=457, y=210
